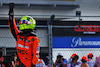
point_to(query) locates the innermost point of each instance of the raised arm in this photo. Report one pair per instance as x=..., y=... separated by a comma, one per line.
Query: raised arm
x=12, y=25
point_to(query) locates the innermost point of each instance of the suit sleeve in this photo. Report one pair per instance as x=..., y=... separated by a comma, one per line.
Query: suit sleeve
x=12, y=25
x=35, y=51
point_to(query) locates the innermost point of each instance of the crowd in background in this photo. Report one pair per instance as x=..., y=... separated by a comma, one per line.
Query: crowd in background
x=86, y=61
x=8, y=61
x=11, y=61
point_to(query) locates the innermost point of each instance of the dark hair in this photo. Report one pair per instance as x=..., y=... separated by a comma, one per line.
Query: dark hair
x=90, y=56
x=59, y=56
x=12, y=56
x=1, y=54
x=76, y=57
x=83, y=61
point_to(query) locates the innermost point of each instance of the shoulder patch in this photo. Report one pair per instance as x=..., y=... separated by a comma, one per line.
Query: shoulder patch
x=32, y=39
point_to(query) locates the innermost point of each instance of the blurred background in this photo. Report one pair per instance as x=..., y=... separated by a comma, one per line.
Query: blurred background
x=75, y=29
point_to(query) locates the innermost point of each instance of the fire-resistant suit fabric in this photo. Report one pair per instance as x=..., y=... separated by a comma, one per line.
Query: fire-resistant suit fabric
x=27, y=44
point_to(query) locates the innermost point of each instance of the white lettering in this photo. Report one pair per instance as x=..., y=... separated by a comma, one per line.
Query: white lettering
x=78, y=42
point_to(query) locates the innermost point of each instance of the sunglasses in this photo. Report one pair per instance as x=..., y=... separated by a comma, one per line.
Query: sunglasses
x=24, y=22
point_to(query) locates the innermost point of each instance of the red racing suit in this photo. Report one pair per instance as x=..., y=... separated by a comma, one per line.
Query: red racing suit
x=27, y=44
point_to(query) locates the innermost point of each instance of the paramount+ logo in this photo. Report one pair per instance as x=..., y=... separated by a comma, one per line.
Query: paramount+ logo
x=87, y=28
x=77, y=41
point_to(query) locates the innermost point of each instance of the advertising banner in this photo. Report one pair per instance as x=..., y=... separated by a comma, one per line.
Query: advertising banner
x=76, y=42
